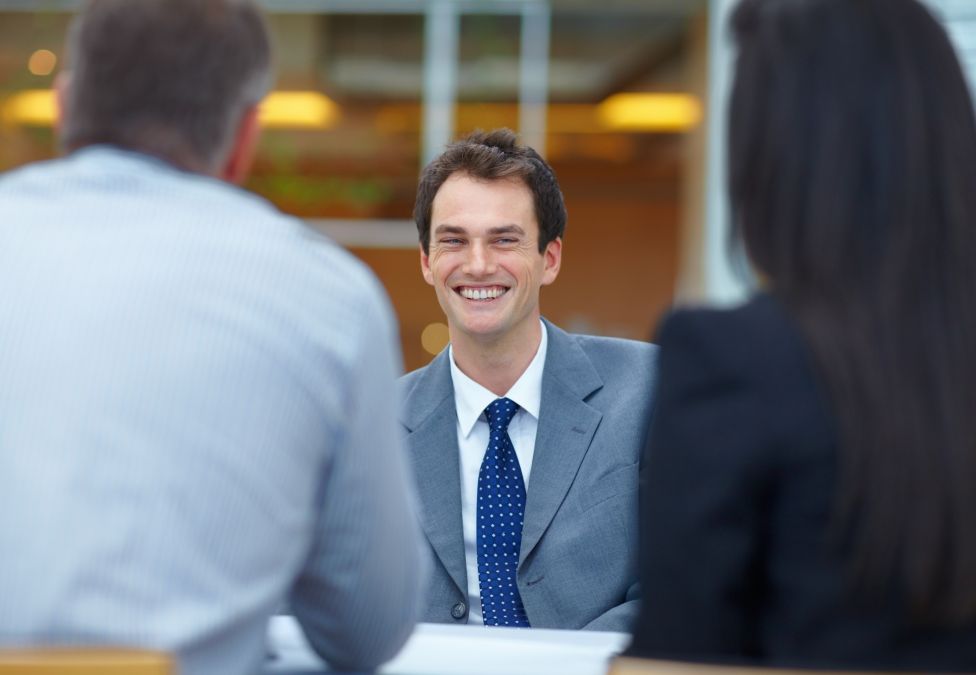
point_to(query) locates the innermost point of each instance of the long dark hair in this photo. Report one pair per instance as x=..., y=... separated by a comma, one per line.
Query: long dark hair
x=853, y=187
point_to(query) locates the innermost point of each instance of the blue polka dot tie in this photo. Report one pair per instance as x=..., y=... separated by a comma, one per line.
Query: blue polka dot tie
x=501, y=507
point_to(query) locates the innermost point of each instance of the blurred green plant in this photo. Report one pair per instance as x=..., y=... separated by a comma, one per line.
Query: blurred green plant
x=323, y=195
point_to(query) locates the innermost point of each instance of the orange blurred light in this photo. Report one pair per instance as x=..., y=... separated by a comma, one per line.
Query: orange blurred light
x=298, y=110
x=31, y=107
x=281, y=109
x=435, y=337
x=42, y=62
x=650, y=112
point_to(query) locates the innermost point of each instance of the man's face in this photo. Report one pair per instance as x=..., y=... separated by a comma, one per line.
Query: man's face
x=484, y=261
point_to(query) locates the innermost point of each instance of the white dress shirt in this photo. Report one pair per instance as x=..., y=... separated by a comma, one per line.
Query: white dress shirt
x=471, y=400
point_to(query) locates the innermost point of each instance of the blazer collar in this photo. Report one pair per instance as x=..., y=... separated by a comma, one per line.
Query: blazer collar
x=566, y=428
x=432, y=386
x=431, y=420
x=567, y=365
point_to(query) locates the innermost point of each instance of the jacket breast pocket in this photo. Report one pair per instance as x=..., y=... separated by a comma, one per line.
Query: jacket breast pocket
x=619, y=480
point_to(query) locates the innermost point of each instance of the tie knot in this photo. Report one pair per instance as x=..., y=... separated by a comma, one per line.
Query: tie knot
x=499, y=413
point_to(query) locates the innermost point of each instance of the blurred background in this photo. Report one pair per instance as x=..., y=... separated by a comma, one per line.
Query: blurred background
x=623, y=97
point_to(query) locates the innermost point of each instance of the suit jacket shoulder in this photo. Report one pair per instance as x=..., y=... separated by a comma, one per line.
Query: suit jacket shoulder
x=617, y=358
x=588, y=363
x=611, y=375
x=408, y=381
x=424, y=390
x=755, y=349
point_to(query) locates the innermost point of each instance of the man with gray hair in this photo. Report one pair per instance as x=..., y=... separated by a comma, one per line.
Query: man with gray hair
x=198, y=418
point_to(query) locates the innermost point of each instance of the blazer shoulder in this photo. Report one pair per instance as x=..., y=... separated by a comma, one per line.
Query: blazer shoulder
x=407, y=381
x=756, y=348
x=437, y=368
x=406, y=387
x=757, y=333
x=603, y=370
x=423, y=390
x=613, y=347
x=616, y=358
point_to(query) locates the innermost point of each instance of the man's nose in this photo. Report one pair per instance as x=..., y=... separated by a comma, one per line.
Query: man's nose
x=480, y=261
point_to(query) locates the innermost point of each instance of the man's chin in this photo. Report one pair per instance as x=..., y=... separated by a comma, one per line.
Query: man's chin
x=479, y=331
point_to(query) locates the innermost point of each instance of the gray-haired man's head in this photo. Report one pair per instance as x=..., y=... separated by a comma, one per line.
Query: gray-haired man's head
x=172, y=78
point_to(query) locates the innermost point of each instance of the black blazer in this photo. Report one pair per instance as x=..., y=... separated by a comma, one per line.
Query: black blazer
x=737, y=561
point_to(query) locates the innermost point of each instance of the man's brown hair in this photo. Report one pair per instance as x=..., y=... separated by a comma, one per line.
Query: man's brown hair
x=494, y=155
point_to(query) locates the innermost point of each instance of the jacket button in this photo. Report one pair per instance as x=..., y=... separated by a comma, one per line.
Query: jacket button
x=458, y=610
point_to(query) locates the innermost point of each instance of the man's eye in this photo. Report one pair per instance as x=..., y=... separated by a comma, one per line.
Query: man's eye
x=507, y=241
x=451, y=242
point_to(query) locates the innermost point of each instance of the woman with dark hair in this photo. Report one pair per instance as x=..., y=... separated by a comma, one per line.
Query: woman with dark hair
x=809, y=487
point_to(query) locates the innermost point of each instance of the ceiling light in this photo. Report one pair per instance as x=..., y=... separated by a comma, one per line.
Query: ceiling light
x=281, y=109
x=298, y=110
x=31, y=107
x=650, y=112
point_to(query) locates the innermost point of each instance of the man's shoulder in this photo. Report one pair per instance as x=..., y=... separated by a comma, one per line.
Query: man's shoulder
x=187, y=220
x=758, y=341
x=43, y=172
x=408, y=382
x=605, y=350
x=424, y=390
x=618, y=367
x=614, y=347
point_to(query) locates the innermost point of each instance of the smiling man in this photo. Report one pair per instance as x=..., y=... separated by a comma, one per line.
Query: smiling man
x=525, y=440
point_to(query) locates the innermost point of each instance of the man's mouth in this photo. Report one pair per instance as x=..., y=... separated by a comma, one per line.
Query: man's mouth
x=481, y=293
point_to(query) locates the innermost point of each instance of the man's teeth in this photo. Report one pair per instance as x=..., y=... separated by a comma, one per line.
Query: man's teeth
x=482, y=293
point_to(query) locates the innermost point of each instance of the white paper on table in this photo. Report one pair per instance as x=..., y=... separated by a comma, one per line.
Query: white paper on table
x=437, y=649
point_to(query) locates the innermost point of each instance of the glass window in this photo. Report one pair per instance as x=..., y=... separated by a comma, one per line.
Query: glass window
x=342, y=147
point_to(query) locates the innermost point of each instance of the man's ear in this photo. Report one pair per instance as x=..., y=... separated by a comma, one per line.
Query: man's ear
x=425, y=266
x=241, y=154
x=552, y=258
x=62, y=87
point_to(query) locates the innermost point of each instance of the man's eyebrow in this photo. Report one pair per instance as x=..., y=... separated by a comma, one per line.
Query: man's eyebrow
x=448, y=229
x=506, y=229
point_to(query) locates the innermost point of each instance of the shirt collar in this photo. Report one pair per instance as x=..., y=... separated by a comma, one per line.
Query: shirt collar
x=471, y=399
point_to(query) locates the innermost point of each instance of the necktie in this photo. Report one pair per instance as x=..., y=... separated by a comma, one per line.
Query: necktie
x=501, y=507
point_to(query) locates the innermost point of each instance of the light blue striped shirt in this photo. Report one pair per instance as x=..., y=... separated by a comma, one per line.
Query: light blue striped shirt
x=197, y=417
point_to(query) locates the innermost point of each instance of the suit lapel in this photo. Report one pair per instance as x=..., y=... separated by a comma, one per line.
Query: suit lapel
x=566, y=427
x=431, y=420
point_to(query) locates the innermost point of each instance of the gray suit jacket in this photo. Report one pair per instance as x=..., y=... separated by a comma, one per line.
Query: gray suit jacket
x=578, y=562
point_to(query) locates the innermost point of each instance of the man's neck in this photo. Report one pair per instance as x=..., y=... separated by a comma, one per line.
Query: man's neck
x=497, y=364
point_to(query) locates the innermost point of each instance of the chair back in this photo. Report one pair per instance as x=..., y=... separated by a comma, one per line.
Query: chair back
x=85, y=661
